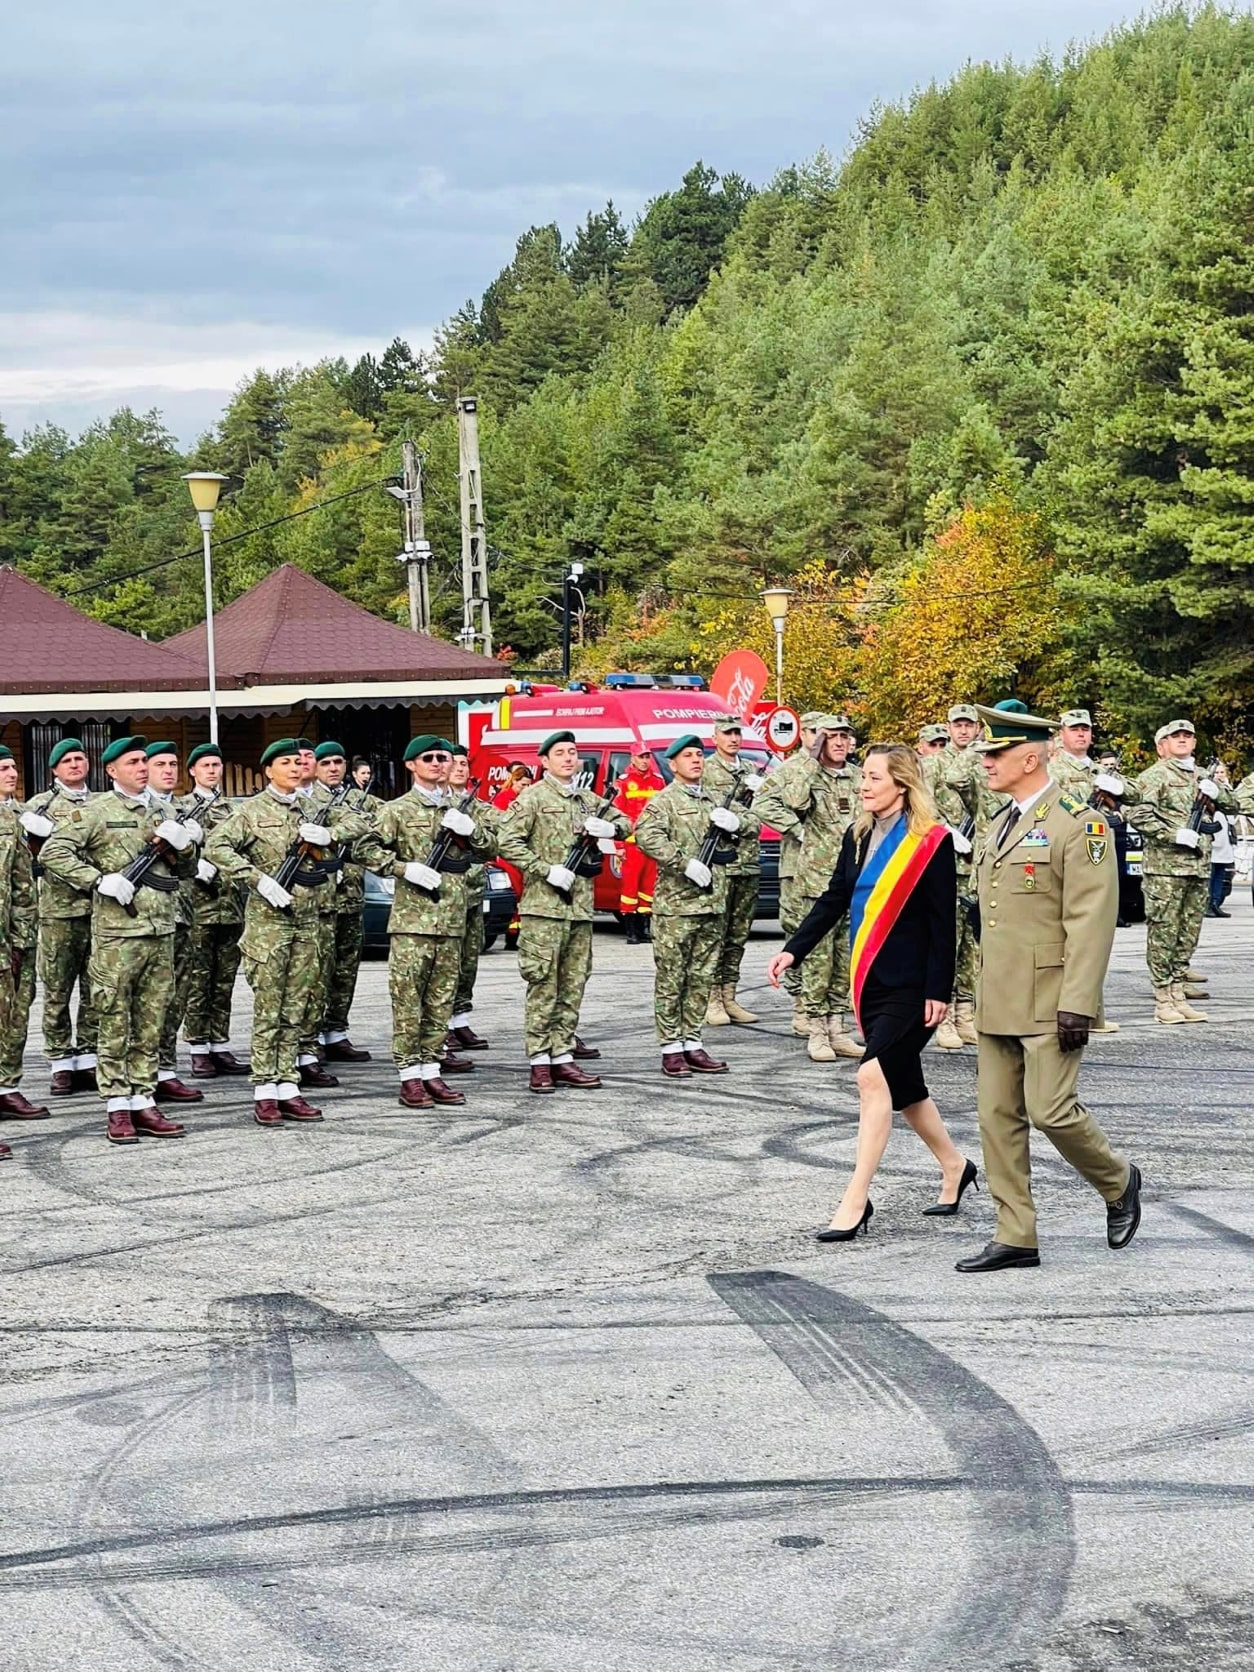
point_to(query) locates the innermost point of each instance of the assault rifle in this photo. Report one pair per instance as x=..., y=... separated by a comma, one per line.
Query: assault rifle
x=1202, y=817
x=140, y=870
x=585, y=859
x=335, y=865
x=449, y=854
x=303, y=863
x=36, y=843
x=710, y=853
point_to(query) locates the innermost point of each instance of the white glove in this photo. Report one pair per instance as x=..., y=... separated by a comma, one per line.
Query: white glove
x=696, y=872
x=422, y=876
x=176, y=836
x=961, y=843
x=559, y=877
x=598, y=827
x=1109, y=782
x=273, y=893
x=205, y=872
x=1186, y=838
x=725, y=819
x=1209, y=788
x=607, y=846
x=461, y=824
x=114, y=886
x=37, y=824
x=317, y=835
x=753, y=780
x=194, y=830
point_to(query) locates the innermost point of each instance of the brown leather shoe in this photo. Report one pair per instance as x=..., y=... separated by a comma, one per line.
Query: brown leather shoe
x=83, y=1079
x=343, y=1050
x=701, y=1062
x=541, y=1078
x=414, y=1095
x=6, y=1154
x=266, y=1112
x=674, y=1064
x=203, y=1066
x=14, y=1106
x=226, y=1062
x=450, y=1064
x=468, y=1039
x=584, y=1053
x=154, y=1122
x=61, y=1084
x=174, y=1091
x=121, y=1129
x=440, y=1093
x=295, y=1108
x=570, y=1074
x=312, y=1074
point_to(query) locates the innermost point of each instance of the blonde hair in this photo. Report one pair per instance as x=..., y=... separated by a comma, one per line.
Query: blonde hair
x=906, y=772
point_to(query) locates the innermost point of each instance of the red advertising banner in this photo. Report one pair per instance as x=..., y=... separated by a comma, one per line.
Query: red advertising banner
x=740, y=680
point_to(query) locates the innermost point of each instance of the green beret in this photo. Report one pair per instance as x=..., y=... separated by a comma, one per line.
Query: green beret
x=1008, y=723
x=689, y=740
x=122, y=746
x=6, y=754
x=555, y=738
x=282, y=746
x=420, y=745
x=303, y=743
x=729, y=722
x=328, y=751
x=458, y=749
x=67, y=746
x=204, y=751
x=155, y=749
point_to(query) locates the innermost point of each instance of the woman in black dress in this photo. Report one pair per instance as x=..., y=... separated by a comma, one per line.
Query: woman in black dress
x=895, y=881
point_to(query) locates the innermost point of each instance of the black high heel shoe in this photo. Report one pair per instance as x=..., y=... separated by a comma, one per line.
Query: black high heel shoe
x=848, y=1236
x=946, y=1210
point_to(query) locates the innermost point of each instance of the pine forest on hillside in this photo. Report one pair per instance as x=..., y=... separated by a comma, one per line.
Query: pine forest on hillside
x=982, y=393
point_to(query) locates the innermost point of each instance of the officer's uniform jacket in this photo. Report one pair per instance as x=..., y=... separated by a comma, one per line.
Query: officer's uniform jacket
x=219, y=901
x=1166, y=793
x=104, y=836
x=716, y=780
x=537, y=833
x=1048, y=904
x=671, y=830
x=19, y=920
x=772, y=803
x=169, y=806
x=58, y=898
x=815, y=805
x=405, y=831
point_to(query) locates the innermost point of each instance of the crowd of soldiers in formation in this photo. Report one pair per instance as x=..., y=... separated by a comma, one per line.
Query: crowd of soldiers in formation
x=142, y=903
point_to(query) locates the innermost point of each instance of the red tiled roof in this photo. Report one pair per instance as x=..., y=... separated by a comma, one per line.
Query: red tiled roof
x=290, y=629
x=48, y=645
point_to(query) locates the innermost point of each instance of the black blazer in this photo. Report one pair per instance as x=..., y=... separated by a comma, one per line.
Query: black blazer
x=921, y=947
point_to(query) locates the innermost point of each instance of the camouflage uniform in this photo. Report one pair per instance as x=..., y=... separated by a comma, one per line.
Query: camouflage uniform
x=689, y=923
x=168, y=1054
x=314, y=804
x=1175, y=879
x=768, y=804
x=19, y=924
x=64, y=950
x=426, y=934
x=217, y=922
x=957, y=798
x=744, y=872
x=344, y=961
x=474, y=885
x=132, y=959
x=555, y=942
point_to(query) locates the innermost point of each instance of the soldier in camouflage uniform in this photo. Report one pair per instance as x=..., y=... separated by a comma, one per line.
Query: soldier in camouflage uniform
x=1176, y=875
x=132, y=957
x=689, y=907
x=64, y=948
x=474, y=885
x=428, y=917
x=791, y=910
x=555, y=943
x=819, y=804
x=217, y=908
x=350, y=890
x=313, y=801
x=726, y=774
x=163, y=777
x=19, y=923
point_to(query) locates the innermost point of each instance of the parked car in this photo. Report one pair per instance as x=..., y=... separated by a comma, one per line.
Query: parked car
x=500, y=910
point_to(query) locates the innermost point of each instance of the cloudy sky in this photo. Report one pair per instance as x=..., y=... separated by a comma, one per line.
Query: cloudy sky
x=190, y=191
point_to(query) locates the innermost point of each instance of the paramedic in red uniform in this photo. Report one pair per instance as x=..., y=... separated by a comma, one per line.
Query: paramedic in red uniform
x=638, y=785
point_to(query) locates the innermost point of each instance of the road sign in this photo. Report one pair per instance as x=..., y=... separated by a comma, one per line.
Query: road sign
x=783, y=728
x=739, y=680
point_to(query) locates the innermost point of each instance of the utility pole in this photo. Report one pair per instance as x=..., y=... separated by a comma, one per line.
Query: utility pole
x=569, y=579
x=417, y=554
x=476, y=633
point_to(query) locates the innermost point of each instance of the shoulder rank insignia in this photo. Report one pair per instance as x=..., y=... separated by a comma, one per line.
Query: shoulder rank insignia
x=1096, y=839
x=1070, y=804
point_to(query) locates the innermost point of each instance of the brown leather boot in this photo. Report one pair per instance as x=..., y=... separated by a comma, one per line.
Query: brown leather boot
x=440, y=1093
x=83, y=1079
x=468, y=1039
x=174, y=1091
x=570, y=1074
x=701, y=1062
x=121, y=1129
x=450, y=1064
x=6, y=1154
x=226, y=1062
x=266, y=1112
x=674, y=1065
x=343, y=1050
x=584, y=1053
x=61, y=1084
x=203, y=1066
x=541, y=1078
x=13, y=1106
x=313, y=1074
x=152, y=1121
x=295, y=1108
x=414, y=1095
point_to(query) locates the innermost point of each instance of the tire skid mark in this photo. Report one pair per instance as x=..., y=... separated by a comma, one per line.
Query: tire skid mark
x=1216, y=1227
x=1022, y=1529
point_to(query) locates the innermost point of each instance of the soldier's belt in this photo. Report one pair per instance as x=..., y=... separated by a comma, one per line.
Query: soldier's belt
x=456, y=862
x=310, y=877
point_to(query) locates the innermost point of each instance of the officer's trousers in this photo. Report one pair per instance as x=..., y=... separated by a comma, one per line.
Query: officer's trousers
x=422, y=979
x=555, y=960
x=1174, y=911
x=132, y=977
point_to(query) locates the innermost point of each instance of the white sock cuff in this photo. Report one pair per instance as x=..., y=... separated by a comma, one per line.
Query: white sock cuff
x=220, y=1045
x=461, y=1020
x=565, y=1057
x=335, y=1036
x=286, y=1090
x=87, y=1060
x=672, y=1045
x=541, y=1059
x=692, y=1045
x=429, y=1071
x=411, y=1071
x=306, y=1059
x=199, y=1050
x=140, y=1100
x=7, y=1091
x=267, y=1091
x=62, y=1065
x=114, y=1105
x=167, y=1074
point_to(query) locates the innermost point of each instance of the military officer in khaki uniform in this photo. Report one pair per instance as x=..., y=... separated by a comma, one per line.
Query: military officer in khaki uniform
x=1048, y=891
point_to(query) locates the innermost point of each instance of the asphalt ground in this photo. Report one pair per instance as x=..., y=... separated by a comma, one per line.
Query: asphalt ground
x=565, y=1382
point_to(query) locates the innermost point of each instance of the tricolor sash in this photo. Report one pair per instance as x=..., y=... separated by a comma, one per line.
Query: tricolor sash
x=882, y=889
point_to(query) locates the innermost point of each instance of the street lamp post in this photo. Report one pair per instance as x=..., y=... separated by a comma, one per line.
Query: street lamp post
x=776, y=600
x=574, y=573
x=205, y=486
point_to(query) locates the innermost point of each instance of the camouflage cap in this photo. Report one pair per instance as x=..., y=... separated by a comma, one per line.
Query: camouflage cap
x=729, y=723
x=937, y=732
x=963, y=711
x=835, y=722
x=811, y=718
x=1076, y=717
x=1172, y=727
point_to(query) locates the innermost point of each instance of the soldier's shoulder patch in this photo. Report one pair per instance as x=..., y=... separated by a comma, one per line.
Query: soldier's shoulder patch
x=1070, y=805
x=76, y=817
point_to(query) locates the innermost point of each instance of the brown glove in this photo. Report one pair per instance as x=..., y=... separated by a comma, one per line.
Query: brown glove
x=1073, y=1031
